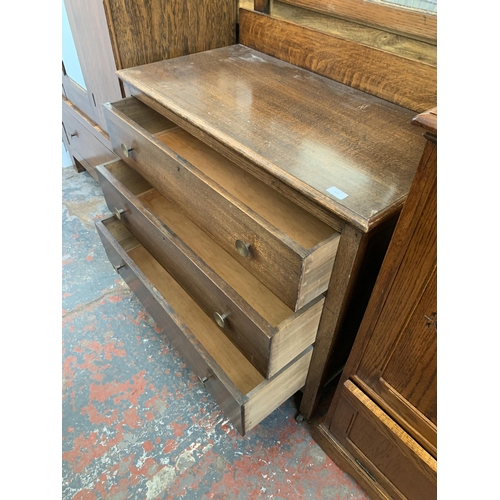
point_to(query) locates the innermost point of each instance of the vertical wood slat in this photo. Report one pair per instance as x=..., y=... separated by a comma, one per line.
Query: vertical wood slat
x=347, y=263
x=163, y=30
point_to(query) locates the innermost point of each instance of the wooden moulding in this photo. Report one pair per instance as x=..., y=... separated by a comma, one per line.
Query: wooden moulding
x=402, y=46
x=393, y=458
x=409, y=83
x=418, y=24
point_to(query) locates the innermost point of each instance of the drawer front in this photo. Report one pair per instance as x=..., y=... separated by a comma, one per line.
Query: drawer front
x=245, y=410
x=382, y=449
x=268, y=348
x=83, y=145
x=274, y=258
x=180, y=336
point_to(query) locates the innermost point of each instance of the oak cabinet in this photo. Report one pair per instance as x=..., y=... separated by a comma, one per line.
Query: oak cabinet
x=382, y=423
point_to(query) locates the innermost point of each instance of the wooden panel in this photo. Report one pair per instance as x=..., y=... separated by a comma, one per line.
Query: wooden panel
x=322, y=134
x=396, y=359
x=263, y=400
x=392, y=457
x=330, y=445
x=77, y=96
x=90, y=32
x=162, y=30
x=355, y=32
x=294, y=335
x=412, y=84
x=345, y=271
x=83, y=145
x=317, y=269
x=421, y=25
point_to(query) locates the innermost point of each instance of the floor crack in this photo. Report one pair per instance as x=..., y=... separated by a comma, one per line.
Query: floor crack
x=124, y=290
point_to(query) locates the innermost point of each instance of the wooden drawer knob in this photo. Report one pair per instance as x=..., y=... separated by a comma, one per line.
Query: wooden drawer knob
x=204, y=380
x=220, y=319
x=118, y=213
x=126, y=150
x=243, y=248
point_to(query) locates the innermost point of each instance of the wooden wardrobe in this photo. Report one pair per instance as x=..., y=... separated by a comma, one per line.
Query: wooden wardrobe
x=381, y=426
x=110, y=35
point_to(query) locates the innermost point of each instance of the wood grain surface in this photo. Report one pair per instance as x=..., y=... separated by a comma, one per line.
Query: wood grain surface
x=412, y=22
x=355, y=32
x=321, y=134
x=230, y=205
x=399, y=79
x=162, y=30
x=211, y=277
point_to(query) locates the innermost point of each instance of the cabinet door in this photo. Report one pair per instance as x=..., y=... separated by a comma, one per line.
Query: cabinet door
x=398, y=366
x=74, y=86
x=93, y=46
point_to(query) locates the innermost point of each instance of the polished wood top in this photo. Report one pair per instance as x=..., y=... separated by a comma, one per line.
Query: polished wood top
x=351, y=153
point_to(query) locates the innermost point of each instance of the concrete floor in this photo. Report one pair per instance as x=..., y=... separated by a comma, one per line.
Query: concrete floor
x=137, y=423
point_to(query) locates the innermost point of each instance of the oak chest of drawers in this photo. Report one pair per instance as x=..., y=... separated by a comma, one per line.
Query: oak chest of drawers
x=253, y=203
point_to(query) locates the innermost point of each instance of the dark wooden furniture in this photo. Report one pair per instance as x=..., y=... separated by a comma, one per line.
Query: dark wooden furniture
x=110, y=35
x=381, y=426
x=254, y=201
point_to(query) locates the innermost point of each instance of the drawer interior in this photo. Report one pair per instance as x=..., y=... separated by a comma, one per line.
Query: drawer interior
x=241, y=372
x=257, y=295
x=295, y=222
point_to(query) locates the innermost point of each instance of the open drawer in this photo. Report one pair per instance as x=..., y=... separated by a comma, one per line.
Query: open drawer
x=244, y=395
x=285, y=247
x=266, y=330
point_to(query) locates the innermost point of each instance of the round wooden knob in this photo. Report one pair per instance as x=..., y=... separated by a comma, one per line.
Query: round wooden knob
x=126, y=150
x=220, y=319
x=243, y=248
x=118, y=213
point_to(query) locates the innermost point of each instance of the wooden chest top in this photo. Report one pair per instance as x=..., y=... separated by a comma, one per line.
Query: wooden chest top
x=351, y=153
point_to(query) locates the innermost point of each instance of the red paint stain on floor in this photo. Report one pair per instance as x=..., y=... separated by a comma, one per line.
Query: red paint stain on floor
x=86, y=450
x=148, y=446
x=178, y=429
x=84, y=495
x=131, y=391
x=170, y=446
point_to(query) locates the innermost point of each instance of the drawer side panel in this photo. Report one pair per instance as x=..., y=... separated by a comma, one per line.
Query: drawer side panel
x=230, y=401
